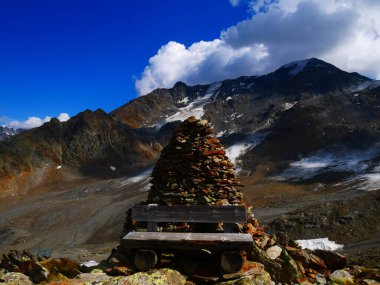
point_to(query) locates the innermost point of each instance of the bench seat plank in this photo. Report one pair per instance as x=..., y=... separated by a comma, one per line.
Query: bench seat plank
x=172, y=240
x=198, y=214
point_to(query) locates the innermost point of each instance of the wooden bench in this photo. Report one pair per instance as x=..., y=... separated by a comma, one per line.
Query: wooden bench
x=227, y=243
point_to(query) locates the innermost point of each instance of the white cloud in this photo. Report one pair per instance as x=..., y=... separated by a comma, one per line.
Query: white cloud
x=30, y=123
x=202, y=62
x=259, y=6
x=63, y=117
x=345, y=33
x=234, y=2
x=33, y=122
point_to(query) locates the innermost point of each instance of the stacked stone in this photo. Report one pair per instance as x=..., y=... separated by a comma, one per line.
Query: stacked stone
x=194, y=170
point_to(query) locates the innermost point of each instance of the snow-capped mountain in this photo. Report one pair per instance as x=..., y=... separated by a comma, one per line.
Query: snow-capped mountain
x=306, y=119
x=7, y=132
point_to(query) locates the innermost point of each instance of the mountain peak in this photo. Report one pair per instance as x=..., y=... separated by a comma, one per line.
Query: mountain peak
x=179, y=84
x=295, y=67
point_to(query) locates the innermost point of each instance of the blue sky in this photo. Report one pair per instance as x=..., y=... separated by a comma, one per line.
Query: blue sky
x=67, y=56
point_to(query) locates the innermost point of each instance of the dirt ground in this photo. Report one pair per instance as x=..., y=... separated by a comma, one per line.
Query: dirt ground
x=82, y=218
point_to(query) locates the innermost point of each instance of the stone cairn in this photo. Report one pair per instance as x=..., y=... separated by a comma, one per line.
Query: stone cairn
x=194, y=170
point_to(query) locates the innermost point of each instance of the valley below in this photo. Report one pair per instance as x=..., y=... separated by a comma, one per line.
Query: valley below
x=83, y=219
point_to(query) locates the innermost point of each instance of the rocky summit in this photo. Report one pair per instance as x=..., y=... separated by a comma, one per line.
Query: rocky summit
x=194, y=170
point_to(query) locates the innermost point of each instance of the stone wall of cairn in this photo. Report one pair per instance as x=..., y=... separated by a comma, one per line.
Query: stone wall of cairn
x=194, y=170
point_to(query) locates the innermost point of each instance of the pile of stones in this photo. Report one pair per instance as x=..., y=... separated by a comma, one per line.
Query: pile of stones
x=194, y=170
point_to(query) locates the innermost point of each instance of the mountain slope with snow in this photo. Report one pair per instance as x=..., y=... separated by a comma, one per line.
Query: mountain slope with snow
x=285, y=118
x=6, y=132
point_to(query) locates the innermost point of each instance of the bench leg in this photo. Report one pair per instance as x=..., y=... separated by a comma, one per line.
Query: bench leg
x=231, y=261
x=145, y=259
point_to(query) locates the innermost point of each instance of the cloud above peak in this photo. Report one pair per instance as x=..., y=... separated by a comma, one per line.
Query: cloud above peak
x=343, y=32
x=33, y=122
x=202, y=62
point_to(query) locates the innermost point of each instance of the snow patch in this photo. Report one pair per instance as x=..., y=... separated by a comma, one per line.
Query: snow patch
x=91, y=263
x=290, y=105
x=240, y=148
x=221, y=133
x=143, y=178
x=364, y=85
x=334, y=158
x=365, y=181
x=295, y=67
x=319, y=243
x=195, y=108
x=184, y=100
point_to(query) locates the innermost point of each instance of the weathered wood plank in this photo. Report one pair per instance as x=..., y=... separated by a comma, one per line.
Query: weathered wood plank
x=196, y=214
x=169, y=240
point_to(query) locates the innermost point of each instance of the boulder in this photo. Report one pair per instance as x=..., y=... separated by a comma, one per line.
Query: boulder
x=366, y=273
x=248, y=268
x=15, y=278
x=251, y=273
x=342, y=277
x=320, y=279
x=161, y=276
x=92, y=278
x=25, y=263
x=164, y=276
x=250, y=280
x=289, y=269
x=64, y=266
x=2, y=274
x=333, y=260
x=307, y=259
x=274, y=251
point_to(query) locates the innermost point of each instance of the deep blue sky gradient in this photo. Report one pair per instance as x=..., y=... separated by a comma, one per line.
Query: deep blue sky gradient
x=69, y=55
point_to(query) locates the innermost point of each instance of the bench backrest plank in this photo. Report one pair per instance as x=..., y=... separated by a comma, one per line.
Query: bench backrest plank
x=195, y=214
